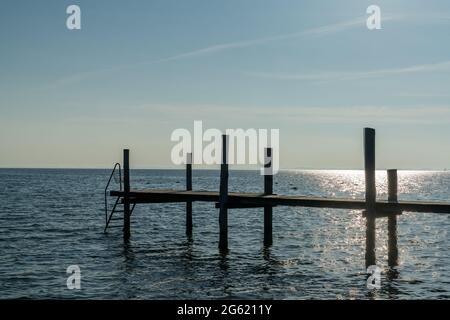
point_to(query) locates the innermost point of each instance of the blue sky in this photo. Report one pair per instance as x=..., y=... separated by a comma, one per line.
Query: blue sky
x=139, y=69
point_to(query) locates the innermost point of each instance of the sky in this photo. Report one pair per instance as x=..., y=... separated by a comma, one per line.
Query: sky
x=139, y=69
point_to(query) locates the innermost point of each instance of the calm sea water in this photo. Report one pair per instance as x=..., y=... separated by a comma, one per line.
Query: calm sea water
x=50, y=219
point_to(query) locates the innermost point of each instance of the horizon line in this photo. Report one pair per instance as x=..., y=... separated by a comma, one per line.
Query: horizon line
x=217, y=167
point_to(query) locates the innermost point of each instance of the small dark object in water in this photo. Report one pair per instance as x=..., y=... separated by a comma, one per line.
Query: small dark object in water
x=294, y=188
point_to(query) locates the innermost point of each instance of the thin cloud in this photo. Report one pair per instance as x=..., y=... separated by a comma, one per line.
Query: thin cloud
x=340, y=76
x=318, y=31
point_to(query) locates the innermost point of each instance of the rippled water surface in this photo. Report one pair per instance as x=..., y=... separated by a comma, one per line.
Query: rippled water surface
x=50, y=219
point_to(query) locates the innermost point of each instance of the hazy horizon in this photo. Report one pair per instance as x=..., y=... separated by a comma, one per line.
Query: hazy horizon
x=231, y=168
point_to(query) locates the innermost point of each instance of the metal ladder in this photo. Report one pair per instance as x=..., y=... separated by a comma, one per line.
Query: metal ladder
x=109, y=217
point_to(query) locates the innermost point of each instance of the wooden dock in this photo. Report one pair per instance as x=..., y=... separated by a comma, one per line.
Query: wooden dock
x=371, y=207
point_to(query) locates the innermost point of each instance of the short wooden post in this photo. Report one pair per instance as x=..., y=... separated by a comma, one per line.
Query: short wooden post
x=392, y=219
x=126, y=198
x=268, y=189
x=189, y=188
x=223, y=197
x=369, y=166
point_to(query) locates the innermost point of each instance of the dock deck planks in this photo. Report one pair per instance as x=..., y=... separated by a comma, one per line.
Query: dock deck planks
x=259, y=199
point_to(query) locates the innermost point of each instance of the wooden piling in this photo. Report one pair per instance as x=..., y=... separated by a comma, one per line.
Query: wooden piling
x=268, y=189
x=392, y=219
x=369, y=167
x=126, y=196
x=189, y=188
x=223, y=196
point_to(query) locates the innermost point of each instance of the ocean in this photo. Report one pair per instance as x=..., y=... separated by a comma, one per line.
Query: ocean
x=51, y=219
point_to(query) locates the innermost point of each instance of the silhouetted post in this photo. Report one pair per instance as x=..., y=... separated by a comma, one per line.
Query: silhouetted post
x=126, y=197
x=223, y=197
x=268, y=189
x=392, y=219
x=371, y=193
x=189, y=188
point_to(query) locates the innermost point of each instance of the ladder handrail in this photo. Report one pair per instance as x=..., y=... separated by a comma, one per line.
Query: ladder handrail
x=116, y=165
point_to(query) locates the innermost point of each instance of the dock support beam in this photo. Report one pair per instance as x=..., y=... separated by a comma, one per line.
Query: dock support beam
x=268, y=189
x=126, y=198
x=223, y=197
x=371, y=193
x=392, y=219
x=189, y=188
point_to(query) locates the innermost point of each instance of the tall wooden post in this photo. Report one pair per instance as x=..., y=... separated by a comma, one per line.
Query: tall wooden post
x=392, y=219
x=126, y=198
x=369, y=166
x=223, y=197
x=268, y=189
x=189, y=188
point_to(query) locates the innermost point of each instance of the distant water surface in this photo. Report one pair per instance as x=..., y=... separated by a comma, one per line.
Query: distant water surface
x=50, y=219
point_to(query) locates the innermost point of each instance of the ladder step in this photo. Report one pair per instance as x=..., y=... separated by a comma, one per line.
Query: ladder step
x=112, y=219
x=115, y=227
x=118, y=211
